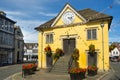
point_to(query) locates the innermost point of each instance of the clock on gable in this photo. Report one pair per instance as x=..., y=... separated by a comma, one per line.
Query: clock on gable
x=68, y=17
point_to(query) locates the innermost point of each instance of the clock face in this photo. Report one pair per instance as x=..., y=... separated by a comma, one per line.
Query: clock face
x=68, y=17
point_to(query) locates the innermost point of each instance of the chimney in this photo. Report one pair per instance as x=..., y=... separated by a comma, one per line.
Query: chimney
x=2, y=13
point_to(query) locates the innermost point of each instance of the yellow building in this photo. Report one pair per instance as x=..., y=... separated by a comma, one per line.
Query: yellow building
x=76, y=29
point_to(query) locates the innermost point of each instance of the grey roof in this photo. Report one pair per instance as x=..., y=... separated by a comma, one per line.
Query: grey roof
x=3, y=15
x=92, y=15
x=117, y=44
x=30, y=45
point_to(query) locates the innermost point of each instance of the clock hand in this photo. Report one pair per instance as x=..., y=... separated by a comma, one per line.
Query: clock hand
x=70, y=18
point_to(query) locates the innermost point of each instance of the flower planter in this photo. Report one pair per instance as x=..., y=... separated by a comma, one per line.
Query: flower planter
x=49, y=54
x=48, y=51
x=82, y=75
x=27, y=71
x=77, y=76
x=74, y=76
x=34, y=68
x=92, y=72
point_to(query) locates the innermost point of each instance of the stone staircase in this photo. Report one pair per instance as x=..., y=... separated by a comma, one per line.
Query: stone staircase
x=61, y=66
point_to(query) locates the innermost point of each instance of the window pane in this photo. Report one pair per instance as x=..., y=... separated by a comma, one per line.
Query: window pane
x=88, y=34
x=47, y=38
x=94, y=34
x=51, y=38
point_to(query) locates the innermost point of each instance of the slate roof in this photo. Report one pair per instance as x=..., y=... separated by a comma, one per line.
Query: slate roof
x=30, y=45
x=88, y=13
x=3, y=15
x=17, y=28
x=117, y=44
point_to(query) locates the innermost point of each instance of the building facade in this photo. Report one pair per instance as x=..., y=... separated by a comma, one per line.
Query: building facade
x=6, y=39
x=19, y=45
x=30, y=51
x=115, y=52
x=72, y=29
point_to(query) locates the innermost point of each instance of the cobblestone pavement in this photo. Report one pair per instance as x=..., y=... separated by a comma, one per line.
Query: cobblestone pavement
x=113, y=74
x=41, y=75
x=116, y=71
x=7, y=71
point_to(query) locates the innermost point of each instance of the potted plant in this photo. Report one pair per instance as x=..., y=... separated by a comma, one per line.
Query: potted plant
x=77, y=73
x=34, y=68
x=91, y=49
x=75, y=54
x=58, y=53
x=28, y=68
x=48, y=51
x=92, y=70
x=73, y=59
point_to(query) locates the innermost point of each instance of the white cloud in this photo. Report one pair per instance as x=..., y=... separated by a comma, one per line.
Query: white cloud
x=15, y=13
x=114, y=39
x=27, y=27
x=47, y=14
x=117, y=1
x=29, y=23
x=30, y=36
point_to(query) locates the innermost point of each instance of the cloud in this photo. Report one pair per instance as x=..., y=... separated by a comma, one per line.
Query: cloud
x=27, y=27
x=117, y=1
x=48, y=14
x=29, y=23
x=30, y=36
x=114, y=39
x=25, y=23
x=15, y=13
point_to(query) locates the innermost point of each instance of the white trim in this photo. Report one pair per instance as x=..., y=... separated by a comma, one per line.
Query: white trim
x=67, y=6
x=70, y=36
x=75, y=36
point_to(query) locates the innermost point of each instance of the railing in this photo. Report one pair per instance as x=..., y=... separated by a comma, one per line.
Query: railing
x=52, y=66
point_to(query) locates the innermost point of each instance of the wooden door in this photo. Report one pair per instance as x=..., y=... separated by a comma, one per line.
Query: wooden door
x=69, y=46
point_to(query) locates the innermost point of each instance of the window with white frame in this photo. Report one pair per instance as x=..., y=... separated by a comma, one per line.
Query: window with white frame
x=91, y=34
x=49, y=38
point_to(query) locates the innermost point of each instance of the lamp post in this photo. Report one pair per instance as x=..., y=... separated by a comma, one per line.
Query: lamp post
x=102, y=25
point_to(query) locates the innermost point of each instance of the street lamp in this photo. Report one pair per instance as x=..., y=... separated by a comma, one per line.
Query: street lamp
x=102, y=25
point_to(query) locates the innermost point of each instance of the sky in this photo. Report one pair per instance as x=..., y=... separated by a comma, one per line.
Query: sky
x=29, y=14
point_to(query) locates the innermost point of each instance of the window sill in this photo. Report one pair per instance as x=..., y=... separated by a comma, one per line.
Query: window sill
x=91, y=39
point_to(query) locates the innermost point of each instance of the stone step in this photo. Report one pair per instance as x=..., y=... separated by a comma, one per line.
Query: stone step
x=61, y=65
x=60, y=71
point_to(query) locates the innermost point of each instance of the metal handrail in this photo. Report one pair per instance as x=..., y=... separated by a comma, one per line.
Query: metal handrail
x=53, y=65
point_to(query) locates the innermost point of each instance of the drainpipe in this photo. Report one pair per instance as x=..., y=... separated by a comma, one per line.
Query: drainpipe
x=41, y=46
x=102, y=25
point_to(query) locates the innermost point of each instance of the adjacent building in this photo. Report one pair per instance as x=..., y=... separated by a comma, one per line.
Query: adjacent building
x=72, y=29
x=6, y=39
x=19, y=45
x=116, y=51
x=30, y=51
